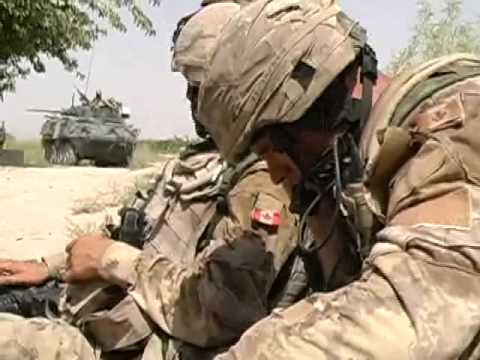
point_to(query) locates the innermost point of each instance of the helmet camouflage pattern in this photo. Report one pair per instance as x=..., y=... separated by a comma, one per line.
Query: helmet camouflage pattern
x=273, y=59
x=195, y=38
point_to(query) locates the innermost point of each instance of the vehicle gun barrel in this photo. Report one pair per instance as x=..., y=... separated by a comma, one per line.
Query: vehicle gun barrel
x=46, y=111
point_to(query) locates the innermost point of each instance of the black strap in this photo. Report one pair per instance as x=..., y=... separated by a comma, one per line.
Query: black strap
x=369, y=74
x=230, y=179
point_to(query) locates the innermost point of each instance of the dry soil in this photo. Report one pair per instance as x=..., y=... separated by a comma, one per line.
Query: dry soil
x=42, y=209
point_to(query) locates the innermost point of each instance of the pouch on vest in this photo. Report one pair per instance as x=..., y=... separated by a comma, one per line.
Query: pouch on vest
x=119, y=328
x=106, y=314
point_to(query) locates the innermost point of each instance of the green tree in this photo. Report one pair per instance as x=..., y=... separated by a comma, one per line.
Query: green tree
x=437, y=33
x=32, y=30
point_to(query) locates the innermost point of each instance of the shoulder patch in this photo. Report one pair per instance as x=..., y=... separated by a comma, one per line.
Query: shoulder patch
x=449, y=113
x=267, y=210
x=266, y=217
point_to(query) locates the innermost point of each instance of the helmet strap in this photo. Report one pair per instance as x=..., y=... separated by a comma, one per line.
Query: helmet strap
x=368, y=78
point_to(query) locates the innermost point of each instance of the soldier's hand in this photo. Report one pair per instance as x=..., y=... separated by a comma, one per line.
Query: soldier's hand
x=30, y=272
x=84, y=256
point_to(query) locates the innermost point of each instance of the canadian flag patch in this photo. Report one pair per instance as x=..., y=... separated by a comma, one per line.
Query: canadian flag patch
x=266, y=217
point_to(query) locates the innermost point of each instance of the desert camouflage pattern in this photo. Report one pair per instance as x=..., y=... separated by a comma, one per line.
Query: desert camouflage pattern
x=168, y=286
x=196, y=40
x=386, y=140
x=186, y=297
x=183, y=205
x=42, y=339
x=189, y=295
x=418, y=295
x=258, y=76
x=236, y=270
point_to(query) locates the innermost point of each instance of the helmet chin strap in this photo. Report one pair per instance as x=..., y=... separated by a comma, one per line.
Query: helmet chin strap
x=334, y=171
x=368, y=78
x=309, y=247
x=336, y=168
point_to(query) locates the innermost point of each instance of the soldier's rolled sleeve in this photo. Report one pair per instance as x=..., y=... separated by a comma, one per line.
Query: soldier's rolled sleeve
x=118, y=264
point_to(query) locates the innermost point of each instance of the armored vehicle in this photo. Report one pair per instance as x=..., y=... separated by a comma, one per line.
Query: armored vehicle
x=96, y=130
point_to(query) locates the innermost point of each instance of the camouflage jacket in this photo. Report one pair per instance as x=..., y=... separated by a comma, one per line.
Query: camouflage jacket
x=204, y=276
x=418, y=294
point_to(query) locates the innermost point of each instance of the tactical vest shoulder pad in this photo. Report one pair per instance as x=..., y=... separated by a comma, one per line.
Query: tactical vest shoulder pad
x=386, y=107
x=387, y=122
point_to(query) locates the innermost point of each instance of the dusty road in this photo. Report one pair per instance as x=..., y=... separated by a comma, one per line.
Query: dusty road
x=41, y=209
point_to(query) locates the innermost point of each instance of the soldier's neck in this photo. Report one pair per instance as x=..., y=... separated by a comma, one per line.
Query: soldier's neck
x=330, y=252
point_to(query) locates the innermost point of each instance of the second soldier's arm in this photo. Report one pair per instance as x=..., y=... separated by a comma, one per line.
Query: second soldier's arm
x=212, y=301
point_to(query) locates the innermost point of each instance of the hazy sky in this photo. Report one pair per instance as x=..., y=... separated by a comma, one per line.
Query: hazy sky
x=136, y=69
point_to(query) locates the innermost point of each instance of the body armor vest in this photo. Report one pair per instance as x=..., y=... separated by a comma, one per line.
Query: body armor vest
x=183, y=205
x=178, y=219
x=386, y=142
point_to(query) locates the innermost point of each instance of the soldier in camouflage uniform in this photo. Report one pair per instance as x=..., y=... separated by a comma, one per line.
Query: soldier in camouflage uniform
x=280, y=81
x=218, y=257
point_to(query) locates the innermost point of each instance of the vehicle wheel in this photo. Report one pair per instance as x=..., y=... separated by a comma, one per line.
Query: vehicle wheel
x=65, y=155
x=49, y=152
x=128, y=156
x=125, y=162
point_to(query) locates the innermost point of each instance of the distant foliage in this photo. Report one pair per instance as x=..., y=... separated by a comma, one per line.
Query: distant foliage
x=437, y=33
x=148, y=152
x=167, y=146
x=32, y=151
x=32, y=30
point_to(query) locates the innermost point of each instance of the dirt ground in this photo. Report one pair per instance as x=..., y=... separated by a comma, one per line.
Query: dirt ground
x=42, y=209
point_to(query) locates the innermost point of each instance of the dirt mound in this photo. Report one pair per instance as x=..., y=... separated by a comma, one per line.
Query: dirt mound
x=42, y=209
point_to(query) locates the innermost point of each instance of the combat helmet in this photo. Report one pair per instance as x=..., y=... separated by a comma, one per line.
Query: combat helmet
x=195, y=37
x=193, y=43
x=272, y=61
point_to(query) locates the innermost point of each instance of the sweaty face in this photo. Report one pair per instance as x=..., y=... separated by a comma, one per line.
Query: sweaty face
x=288, y=167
